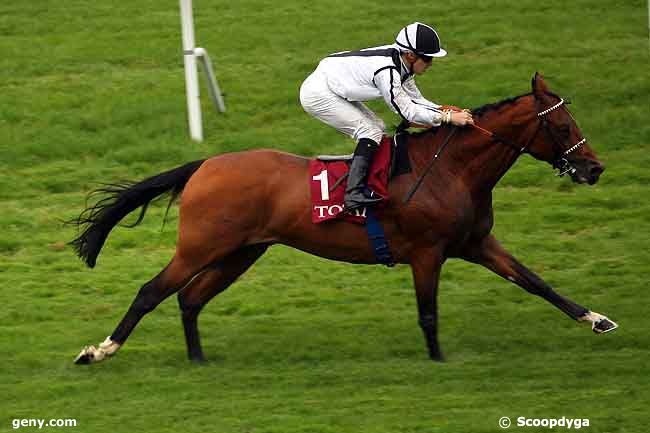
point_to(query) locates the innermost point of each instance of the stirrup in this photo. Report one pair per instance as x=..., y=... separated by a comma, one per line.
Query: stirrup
x=358, y=199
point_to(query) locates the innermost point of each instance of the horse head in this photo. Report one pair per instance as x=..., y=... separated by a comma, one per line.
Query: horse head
x=561, y=143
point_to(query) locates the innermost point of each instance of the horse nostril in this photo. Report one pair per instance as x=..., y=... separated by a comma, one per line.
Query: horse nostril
x=596, y=170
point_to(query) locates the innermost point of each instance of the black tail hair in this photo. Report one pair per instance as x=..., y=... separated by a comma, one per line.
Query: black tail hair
x=120, y=199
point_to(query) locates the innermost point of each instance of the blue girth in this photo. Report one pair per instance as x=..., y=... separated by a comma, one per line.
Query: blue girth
x=378, y=239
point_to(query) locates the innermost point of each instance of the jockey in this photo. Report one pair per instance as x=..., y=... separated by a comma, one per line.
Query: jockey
x=334, y=92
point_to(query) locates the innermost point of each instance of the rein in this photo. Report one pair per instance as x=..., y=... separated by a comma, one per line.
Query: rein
x=560, y=160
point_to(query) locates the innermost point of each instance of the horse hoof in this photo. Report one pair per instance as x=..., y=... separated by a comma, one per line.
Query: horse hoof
x=604, y=325
x=85, y=357
x=437, y=357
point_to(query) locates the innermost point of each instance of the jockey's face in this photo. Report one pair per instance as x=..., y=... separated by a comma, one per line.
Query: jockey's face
x=419, y=64
x=422, y=64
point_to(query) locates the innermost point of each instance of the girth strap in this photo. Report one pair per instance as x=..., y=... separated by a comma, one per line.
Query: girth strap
x=378, y=239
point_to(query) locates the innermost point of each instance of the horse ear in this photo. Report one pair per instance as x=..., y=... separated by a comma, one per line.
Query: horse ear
x=534, y=81
x=539, y=86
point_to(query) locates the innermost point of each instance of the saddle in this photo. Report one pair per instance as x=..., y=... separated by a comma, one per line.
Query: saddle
x=328, y=178
x=399, y=157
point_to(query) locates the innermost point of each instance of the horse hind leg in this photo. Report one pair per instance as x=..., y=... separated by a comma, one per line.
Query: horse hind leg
x=214, y=280
x=196, y=250
x=176, y=275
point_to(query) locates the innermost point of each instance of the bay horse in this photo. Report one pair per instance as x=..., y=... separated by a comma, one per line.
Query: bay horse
x=234, y=206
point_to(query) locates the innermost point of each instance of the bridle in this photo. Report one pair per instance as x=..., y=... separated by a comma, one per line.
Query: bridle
x=560, y=156
x=560, y=160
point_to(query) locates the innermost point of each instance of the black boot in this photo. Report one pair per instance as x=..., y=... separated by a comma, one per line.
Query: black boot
x=355, y=196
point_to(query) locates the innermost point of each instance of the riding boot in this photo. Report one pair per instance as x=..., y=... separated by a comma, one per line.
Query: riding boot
x=355, y=196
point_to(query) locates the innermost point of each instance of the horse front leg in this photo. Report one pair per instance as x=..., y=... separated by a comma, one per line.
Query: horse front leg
x=426, y=274
x=489, y=253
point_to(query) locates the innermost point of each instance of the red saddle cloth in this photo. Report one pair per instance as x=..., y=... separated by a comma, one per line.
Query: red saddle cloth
x=323, y=175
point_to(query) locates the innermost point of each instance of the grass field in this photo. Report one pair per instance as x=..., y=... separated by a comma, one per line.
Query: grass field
x=93, y=92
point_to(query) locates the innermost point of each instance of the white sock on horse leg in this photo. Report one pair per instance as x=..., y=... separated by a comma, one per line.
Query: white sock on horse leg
x=109, y=346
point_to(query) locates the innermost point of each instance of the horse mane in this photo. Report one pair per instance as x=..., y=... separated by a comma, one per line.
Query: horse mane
x=476, y=112
x=496, y=105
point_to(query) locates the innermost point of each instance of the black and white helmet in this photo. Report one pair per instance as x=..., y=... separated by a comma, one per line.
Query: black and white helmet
x=421, y=39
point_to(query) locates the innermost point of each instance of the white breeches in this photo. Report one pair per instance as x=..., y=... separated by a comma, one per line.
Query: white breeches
x=351, y=118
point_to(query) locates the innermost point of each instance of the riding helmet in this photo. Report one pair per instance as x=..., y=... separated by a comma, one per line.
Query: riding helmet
x=421, y=39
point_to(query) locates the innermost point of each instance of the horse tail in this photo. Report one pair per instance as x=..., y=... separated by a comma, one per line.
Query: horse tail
x=120, y=199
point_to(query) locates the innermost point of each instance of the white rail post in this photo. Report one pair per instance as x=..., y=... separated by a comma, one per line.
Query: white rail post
x=191, y=76
x=213, y=87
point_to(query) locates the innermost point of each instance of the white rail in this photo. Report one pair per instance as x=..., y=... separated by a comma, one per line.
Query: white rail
x=190, y=55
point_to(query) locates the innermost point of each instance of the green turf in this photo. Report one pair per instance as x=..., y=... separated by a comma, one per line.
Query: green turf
x=93, y=92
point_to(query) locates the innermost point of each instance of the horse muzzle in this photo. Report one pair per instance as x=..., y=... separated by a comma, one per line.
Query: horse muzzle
x=586, y=171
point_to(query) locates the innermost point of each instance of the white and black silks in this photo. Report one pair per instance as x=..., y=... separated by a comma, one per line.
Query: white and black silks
x=364, y=75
